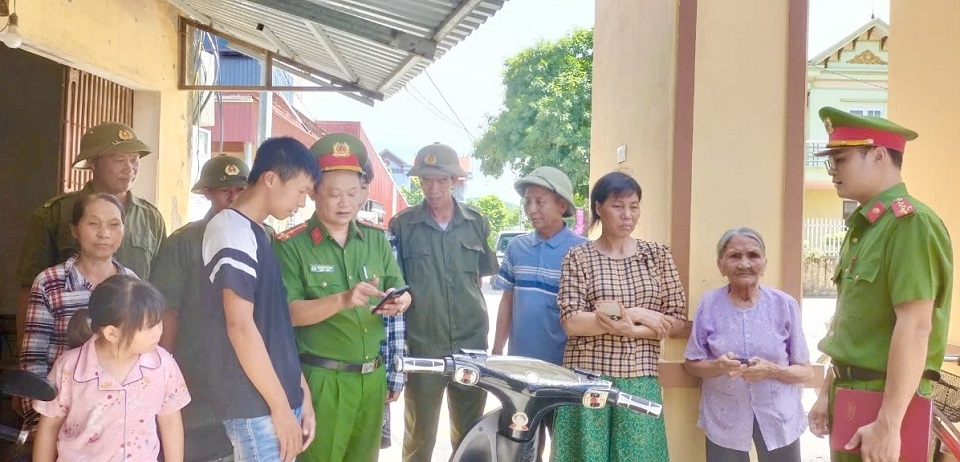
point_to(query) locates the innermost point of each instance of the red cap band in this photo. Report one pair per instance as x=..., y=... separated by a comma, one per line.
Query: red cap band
x=859, y=136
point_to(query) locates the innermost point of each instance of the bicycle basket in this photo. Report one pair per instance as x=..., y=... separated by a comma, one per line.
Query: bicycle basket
x=946, y=395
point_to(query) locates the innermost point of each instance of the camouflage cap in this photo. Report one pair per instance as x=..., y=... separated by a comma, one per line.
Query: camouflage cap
x=437, y=160
x=222, y=172
x=552, y=179
x=105, y=139
x=339, y=151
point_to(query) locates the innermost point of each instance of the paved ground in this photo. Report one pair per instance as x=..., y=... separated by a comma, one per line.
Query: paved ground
x=816, y=312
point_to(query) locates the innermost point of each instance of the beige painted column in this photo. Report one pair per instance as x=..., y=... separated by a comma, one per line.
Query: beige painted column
x=707, y=99
x=924, y=95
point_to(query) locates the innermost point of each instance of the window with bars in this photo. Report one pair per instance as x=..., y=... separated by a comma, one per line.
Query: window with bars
x=88, y=101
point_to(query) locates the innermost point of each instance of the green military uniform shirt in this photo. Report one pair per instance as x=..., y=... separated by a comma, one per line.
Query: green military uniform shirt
x=896, y=250
x=175, y=272
x=49, y=242
x=443, y=268
x=314, y=265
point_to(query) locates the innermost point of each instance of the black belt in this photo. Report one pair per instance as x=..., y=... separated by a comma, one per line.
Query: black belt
x=334, y=365
x=844, y=372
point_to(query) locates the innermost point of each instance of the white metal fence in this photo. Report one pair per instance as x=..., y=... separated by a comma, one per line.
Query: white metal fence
x=824, y=234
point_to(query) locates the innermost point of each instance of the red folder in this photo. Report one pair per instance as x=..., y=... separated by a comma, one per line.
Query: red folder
x=853, y=409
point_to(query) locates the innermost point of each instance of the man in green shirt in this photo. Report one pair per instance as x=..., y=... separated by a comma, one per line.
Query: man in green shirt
x=335, y=270
x=443, y=250
x=175, y=272
x=112, y=151
x=894, y=283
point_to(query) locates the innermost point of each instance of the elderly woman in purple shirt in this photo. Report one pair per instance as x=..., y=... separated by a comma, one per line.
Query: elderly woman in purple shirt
x=748, y=347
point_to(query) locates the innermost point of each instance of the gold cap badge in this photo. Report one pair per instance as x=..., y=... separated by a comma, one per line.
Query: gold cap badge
x=341, y=149
x=430, y=159
x=232, y=170
x=828, y=125
x=125, y=135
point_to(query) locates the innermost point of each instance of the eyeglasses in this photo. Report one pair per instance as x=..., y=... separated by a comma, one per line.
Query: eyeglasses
x=830, y=163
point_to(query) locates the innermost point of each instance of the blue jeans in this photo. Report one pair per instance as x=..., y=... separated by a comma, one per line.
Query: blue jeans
x=254, y=440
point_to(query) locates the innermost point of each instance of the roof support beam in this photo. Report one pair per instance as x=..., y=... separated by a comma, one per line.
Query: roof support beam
x=351, y=24
x=332, y=50
x=462, y=11
x=281, y=46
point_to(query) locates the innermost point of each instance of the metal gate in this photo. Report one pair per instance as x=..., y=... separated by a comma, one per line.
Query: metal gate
x=88, y=101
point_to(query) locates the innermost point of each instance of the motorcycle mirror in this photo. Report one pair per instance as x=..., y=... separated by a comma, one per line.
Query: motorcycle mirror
x=15, y=382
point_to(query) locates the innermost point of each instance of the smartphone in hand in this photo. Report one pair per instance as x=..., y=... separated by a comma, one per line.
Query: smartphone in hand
x=609, y=307
x=391, y=296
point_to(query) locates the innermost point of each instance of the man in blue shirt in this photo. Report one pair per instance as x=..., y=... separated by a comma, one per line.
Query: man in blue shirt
x=530, y=273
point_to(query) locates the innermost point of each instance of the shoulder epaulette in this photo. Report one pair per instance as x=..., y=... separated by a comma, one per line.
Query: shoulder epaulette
x=292, y=232
x=902, y=207
x=56, y=198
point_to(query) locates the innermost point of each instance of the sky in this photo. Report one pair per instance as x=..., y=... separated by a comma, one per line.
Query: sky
x=470, y=78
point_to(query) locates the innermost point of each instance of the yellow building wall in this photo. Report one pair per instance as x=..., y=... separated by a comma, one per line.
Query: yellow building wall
x=134, y=43
x=633, y=102
x=732, y=182
x=822, y=203
x=918, y=64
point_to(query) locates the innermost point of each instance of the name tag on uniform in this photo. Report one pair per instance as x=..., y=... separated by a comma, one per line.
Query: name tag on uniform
x=314, y=268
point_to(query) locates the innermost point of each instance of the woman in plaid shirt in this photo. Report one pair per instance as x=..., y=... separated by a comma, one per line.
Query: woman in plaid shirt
x=639, y=278
x=59, y=291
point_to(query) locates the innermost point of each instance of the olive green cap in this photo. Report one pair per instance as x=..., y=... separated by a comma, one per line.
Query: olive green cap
x=222, y=172
x=105, y=139
x=339, y=151
x=552, y=179
x=437, y=160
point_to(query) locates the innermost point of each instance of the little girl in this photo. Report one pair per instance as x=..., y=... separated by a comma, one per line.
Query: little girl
x=117, y=388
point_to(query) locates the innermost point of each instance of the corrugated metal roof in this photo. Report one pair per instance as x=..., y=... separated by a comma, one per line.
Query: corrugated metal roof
x=371, y=65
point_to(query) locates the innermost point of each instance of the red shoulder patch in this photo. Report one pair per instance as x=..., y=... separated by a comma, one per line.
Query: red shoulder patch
x=876, y=211
x=291, y=232
x=902, y=207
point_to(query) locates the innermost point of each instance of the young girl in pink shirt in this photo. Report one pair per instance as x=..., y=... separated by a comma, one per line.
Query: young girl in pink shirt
x=118, y=388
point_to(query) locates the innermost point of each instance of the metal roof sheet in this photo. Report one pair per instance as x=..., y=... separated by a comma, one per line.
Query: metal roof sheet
x=347, y=54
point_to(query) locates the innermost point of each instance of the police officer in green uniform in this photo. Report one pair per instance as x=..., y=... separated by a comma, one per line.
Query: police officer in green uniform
x=175, y=270
x=443, y=251
x=894, y=282
x=112, y=151
x=335, y=270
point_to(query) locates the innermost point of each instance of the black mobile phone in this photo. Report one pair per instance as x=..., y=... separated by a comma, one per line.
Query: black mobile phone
x=391, y=296
x=743, y=361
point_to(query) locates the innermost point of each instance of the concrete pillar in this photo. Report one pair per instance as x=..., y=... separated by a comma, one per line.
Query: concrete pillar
x=924, y=96
x=708, y=99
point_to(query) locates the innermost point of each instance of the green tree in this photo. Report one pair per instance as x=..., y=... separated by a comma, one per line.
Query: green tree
x=546, y=114
x=413, y=194
x=497, y=213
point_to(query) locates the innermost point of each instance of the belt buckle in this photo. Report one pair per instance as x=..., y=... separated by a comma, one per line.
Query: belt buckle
x=367, y=368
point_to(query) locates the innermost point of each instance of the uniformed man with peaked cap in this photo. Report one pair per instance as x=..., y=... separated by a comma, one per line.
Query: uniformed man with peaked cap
x=175, y=272
x=894, y=283
x=112, y=151
x=442, y=246
x=335, y=270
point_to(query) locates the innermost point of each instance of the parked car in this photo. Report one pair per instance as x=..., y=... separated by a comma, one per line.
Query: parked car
x=503, y=239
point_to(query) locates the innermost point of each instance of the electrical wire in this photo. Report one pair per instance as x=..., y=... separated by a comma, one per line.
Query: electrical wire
x=830, y=71
x=438, y=115
x=444, y=98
